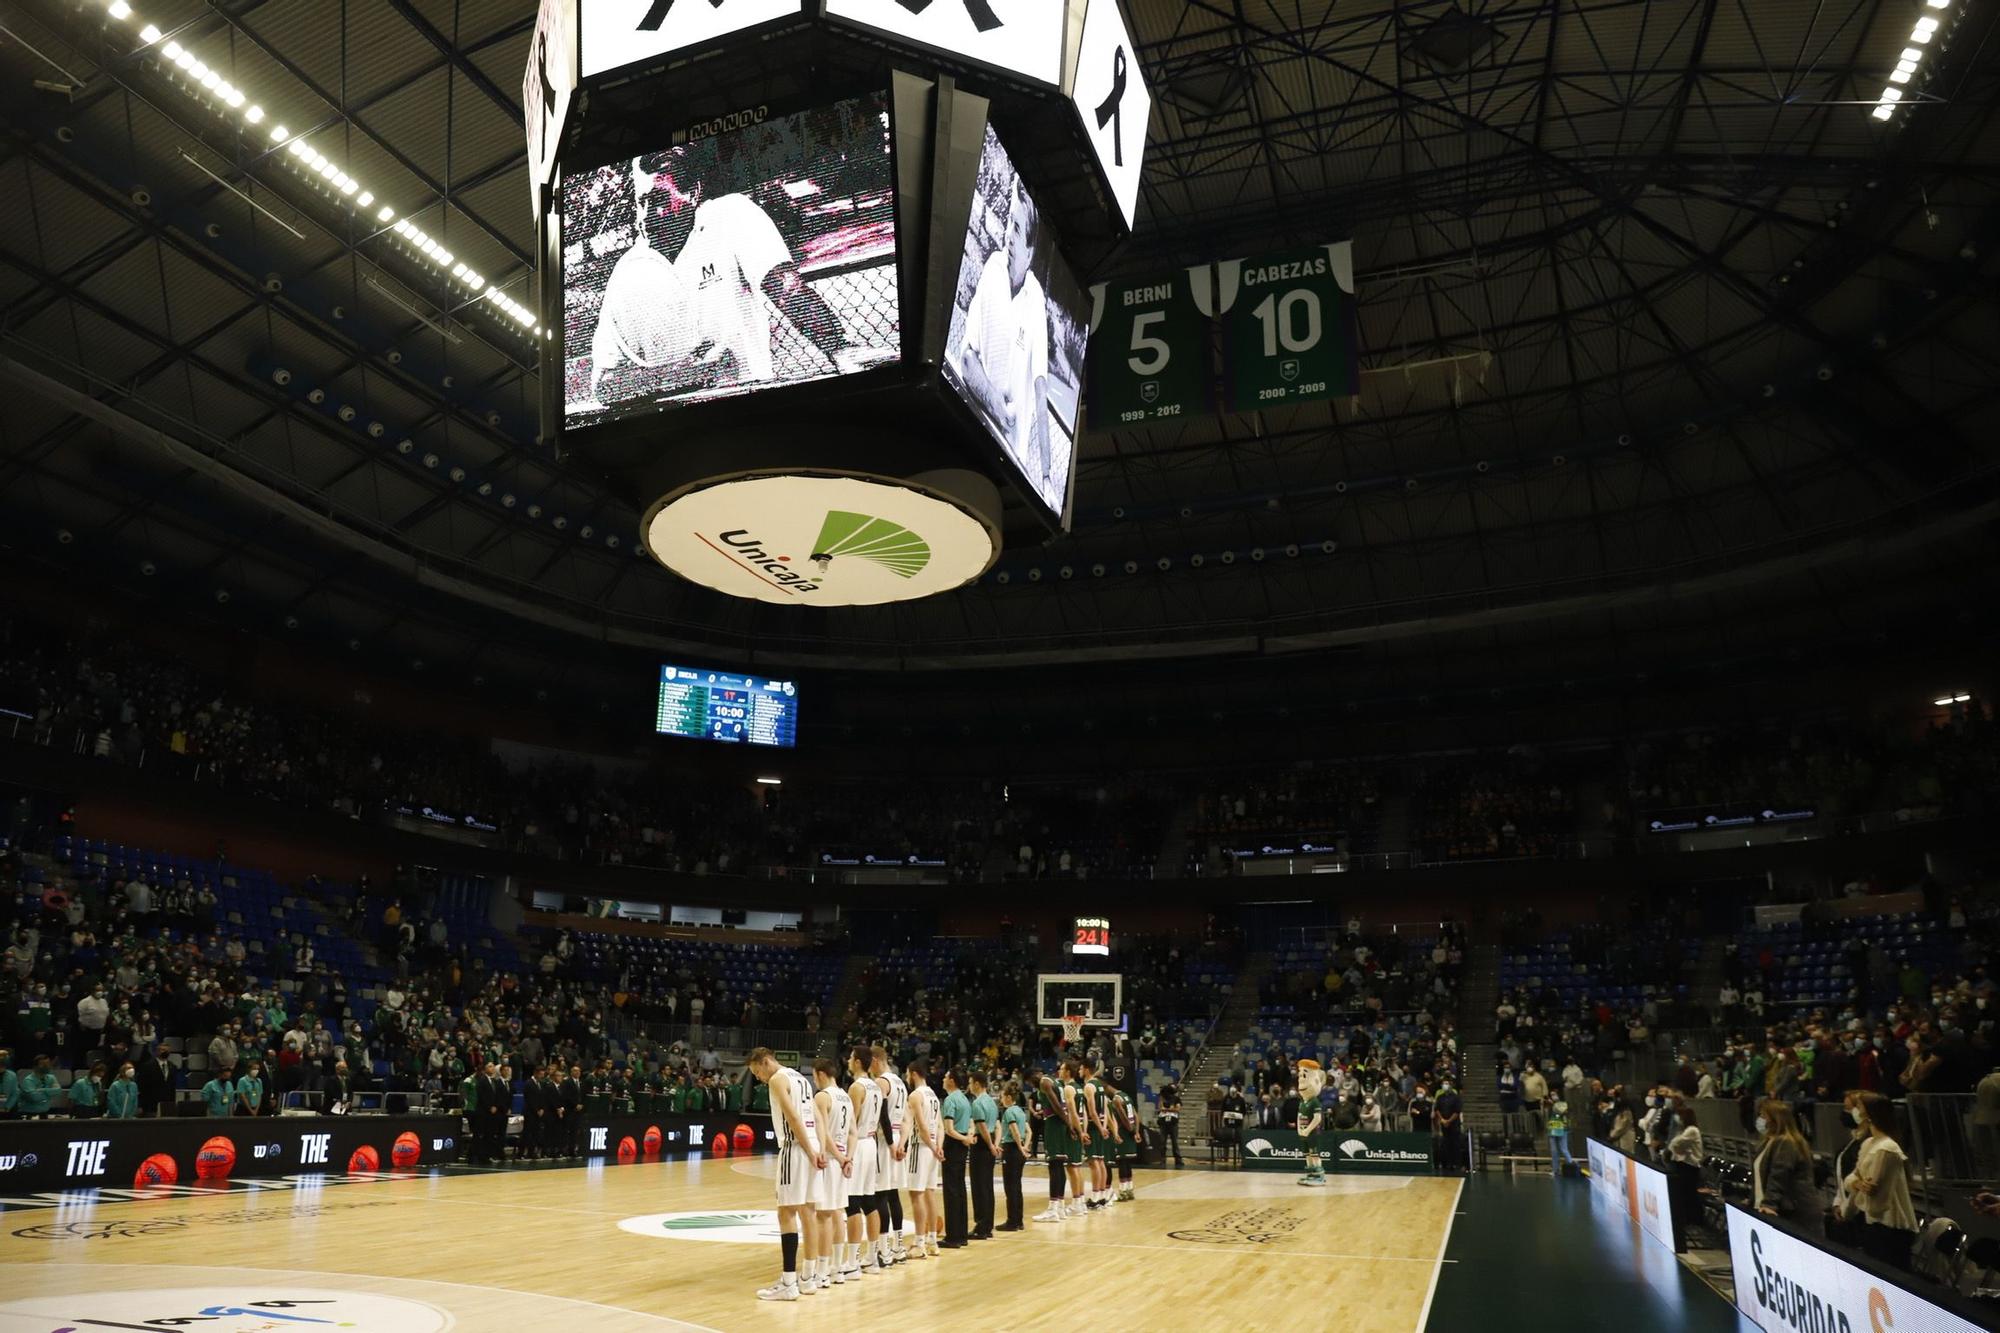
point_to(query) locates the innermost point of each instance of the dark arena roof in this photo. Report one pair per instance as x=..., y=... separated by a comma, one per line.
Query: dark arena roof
x=1669, y=347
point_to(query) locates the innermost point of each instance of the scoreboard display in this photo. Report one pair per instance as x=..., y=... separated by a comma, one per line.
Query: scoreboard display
x=1092, y=934
x=720, y=706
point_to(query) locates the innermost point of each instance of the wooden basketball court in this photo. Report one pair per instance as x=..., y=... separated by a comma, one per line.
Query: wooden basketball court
x=685, y=1245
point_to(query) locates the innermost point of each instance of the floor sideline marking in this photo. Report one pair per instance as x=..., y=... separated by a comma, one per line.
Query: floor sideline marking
x=1197, y=1248
x=1424, y=1315
x=383, y=1277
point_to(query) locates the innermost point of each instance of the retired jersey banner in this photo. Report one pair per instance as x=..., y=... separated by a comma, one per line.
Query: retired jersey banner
x=1149, y=353
x=1339, y=1150
x=1286, y=323
x=1289, y=327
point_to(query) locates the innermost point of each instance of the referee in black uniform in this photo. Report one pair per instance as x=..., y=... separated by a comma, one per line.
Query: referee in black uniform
x=1170, y=1118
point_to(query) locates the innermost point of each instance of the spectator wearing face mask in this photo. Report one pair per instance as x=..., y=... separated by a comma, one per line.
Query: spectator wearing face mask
x=121, y=1099
x=1510, y=1089
x=1558, y=1121
x=1842, y=1222
x=1450, y=1112
x=1781, y=1174
x=1878, y=1188
x=1684, y=1154
x=1624, y=1131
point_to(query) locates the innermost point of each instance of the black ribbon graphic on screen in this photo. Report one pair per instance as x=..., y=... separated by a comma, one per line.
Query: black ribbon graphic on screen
x=980, y=11
x=1112, y=109
x=658, y=14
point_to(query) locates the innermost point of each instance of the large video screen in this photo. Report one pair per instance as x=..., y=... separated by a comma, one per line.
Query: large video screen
x=721, y=706
x=760, y=256
x=1014, y=349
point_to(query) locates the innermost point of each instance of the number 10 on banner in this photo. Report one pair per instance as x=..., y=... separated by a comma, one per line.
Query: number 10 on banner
x=1289, y=331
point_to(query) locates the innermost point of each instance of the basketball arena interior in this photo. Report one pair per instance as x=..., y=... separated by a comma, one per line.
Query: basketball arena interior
x=1189, y=663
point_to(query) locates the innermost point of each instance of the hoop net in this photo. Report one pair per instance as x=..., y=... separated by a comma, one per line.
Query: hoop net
x=1072, y=1026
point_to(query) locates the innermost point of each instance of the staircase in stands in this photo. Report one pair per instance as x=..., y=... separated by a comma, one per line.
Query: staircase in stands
x=1478, y=1047
x=845, y=993
x=1218, y=1054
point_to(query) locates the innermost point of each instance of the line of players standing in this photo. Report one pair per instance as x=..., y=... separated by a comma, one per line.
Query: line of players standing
x=846, y=1154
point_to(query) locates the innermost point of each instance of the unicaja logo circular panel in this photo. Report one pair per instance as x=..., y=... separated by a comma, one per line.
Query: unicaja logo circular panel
x=804, y=540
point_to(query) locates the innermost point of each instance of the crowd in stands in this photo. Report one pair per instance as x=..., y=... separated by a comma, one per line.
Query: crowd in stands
x=121, y=701
x=1827, y=767
x=1508, y=806
x=1377, y=1011
x=1327, y=799
x=1830, y=1034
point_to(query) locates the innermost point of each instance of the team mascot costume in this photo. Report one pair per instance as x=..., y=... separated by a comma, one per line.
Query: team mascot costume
x=1312, y=1081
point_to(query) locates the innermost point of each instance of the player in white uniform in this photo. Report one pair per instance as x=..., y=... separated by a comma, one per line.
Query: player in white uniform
x=865, y=1209
x=799, y=1156
x=1004, y=359
x=896, y=1149
x=699, y=318
x=926, y=1160
x=835, y=1114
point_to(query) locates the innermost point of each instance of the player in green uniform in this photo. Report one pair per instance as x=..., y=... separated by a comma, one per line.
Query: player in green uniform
x=1126, y=1117
x=1057, y=1142
x=1100, y=1135
x=1077, y=1114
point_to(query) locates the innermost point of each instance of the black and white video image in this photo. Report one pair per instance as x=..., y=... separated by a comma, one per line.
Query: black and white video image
x=759, y=257
x=1015, y=346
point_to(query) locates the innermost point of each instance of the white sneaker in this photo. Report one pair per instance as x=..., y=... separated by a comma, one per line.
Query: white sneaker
x=1050, y=1214
x=931, y=1245
x=779, y=1291
x=838, y=1277
x=853, y=1271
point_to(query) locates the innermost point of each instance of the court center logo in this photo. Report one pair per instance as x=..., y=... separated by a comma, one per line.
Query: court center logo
x=757, y=1227
x=753, y=1227
x=227, y=1310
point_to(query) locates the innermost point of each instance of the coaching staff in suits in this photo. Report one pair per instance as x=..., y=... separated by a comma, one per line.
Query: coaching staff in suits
x=571, y=1089
x=495, y=1099
x=155, y=1078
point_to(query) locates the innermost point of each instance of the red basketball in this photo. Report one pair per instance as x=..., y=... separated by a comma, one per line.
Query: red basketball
x=406, y=1149
x=364, y=1161
x=159, y=1169
x=216, y=1159
x=627, y=1149
x=651, y=1141
x=721, y=1145
x=746, y=1139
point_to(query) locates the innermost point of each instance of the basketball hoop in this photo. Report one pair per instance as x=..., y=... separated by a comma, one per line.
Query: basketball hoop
x=1072, y=1026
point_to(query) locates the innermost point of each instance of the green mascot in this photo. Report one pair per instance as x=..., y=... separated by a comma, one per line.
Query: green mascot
x=1312, y=1081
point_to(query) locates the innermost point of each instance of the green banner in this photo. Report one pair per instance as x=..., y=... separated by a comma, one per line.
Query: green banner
x=1149, y=354
x=1289, y=328
x=1339, y=1150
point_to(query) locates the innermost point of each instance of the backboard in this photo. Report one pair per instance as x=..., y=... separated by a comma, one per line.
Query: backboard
x=1098, y=996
